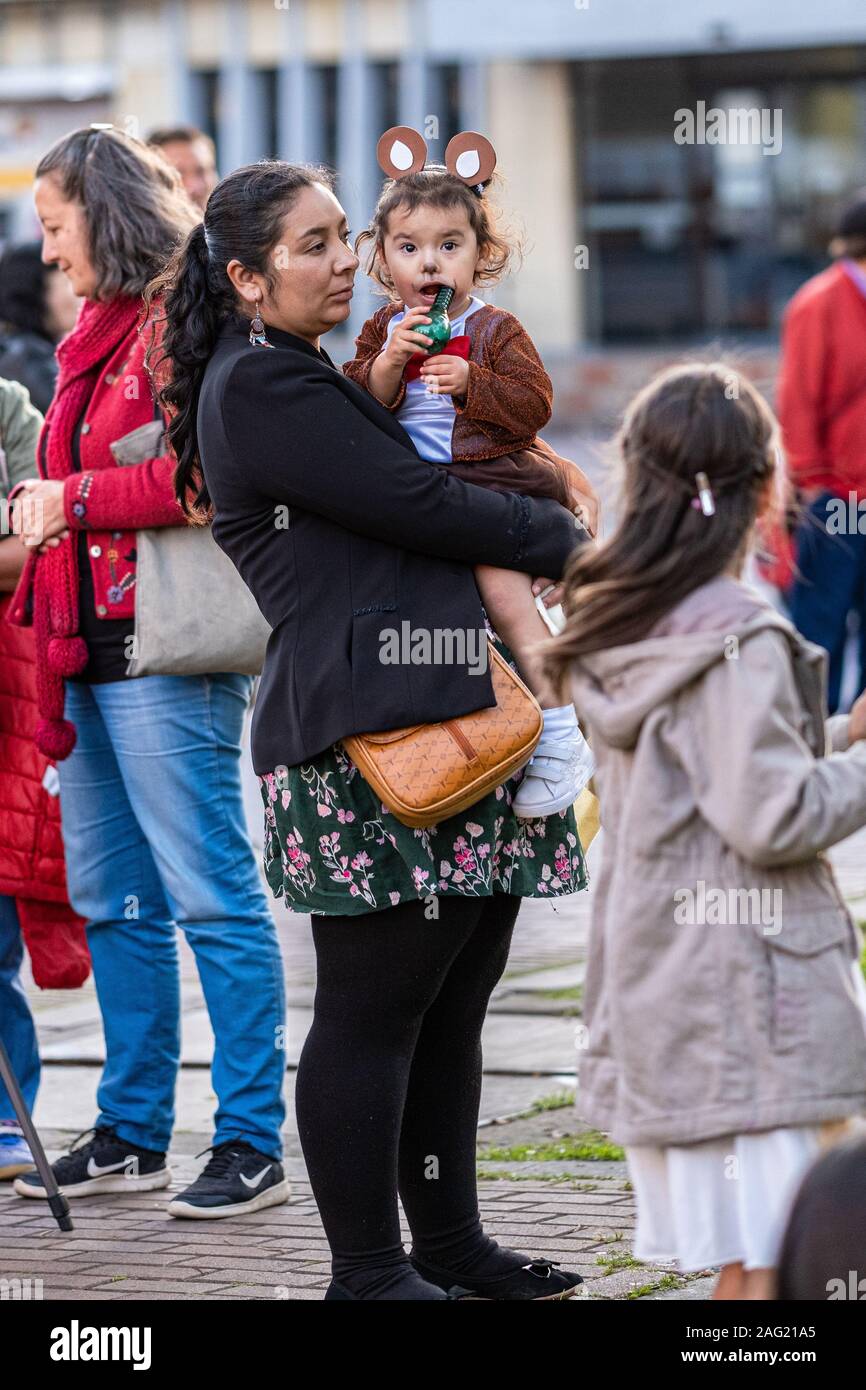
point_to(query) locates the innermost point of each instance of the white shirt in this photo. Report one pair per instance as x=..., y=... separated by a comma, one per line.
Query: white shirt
x=427, y=418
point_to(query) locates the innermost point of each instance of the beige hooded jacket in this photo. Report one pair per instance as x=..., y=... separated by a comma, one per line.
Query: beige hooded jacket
x=720, y=993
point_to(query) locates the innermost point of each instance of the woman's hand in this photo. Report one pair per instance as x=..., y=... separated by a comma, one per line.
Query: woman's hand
x=446, y=375
x=551, y=593
x=38, y=516
x=406, y=340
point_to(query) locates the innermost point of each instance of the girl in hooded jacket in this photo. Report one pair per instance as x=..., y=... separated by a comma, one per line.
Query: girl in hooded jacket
x=725, y=1009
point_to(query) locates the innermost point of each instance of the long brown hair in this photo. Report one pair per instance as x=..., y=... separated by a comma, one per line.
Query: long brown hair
x=702, y=417
x=436, y=187
x=135, y=209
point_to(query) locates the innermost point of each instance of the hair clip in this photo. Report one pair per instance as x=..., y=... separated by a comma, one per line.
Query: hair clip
x=704, y=499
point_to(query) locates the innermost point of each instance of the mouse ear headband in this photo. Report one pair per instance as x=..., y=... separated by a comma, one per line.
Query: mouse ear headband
x=470, y=157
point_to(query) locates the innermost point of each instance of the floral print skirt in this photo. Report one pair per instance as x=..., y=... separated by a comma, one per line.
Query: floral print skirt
x=331, y=847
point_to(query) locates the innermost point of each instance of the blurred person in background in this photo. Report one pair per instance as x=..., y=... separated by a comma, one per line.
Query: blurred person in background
x=33, y=904
x=822, y=411
x=193, y=155
x=823, y=1249
x=37, y=308
x=150, y=789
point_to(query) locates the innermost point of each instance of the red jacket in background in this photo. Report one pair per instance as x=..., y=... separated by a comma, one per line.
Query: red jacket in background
x=32, y=867
x=821, y=398
x=821, y=404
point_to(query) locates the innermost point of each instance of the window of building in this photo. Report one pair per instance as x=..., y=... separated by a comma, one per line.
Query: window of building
x=267, y=103
x=326, y=77
x=712, y=235
x=205, y=95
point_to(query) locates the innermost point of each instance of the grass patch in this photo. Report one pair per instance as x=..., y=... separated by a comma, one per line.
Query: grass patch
x=557, y=1101
x=611, y=1263
x=669, y=1281
x=591, y=1146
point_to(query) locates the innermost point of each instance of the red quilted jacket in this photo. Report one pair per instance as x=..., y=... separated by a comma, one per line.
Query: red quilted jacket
x=32, y=868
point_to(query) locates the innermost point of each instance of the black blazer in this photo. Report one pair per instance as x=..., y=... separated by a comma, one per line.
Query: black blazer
x=340, y=531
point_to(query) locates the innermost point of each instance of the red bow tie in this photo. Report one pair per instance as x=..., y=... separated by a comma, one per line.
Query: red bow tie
x=456, y=347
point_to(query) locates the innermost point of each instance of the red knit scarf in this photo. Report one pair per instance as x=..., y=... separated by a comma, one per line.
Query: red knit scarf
x=50, y=581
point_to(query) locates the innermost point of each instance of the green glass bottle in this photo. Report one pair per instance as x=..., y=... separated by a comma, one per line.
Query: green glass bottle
x=439, y=329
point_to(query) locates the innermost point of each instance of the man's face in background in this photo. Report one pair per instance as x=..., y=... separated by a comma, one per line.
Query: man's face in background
x=194, y=161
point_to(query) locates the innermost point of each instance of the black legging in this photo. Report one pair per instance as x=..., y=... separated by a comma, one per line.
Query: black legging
x=389, y=1083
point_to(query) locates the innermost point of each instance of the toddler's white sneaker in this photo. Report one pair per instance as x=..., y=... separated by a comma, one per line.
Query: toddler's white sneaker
x=555, y=775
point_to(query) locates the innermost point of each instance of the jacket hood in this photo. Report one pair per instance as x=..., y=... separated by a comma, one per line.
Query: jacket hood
x=615, y=689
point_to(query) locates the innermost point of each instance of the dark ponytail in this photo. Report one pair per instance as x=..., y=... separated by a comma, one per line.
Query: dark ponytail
x=243, y=220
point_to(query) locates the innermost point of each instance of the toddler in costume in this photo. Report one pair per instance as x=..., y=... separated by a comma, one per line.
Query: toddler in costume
x=476, y=407
x=724, y=1006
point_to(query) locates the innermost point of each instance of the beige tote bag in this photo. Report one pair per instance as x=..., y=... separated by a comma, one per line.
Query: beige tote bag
x=194, y=615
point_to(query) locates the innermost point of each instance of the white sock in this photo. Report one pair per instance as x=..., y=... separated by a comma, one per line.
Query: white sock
x=560, y=722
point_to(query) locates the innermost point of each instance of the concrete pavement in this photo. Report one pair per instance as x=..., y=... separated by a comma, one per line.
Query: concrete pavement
x=547, y=1185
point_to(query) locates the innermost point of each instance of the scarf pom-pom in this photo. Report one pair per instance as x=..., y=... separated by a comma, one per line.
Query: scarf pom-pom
x=67, y=656
x=55, y=738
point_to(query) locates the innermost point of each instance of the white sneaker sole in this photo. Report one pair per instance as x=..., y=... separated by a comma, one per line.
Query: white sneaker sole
x=271, y=1197
x=559, y=803
x=114, y=1182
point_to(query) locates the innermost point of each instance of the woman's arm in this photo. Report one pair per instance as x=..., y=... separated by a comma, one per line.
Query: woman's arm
x=301, y=441
x=130, y=497
x=135, y=495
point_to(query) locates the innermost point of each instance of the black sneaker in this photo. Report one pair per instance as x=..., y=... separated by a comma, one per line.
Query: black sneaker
x=98, y=1161
x=237, y=1178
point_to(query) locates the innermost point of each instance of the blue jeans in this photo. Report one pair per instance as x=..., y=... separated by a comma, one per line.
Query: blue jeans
x=831, y=584
x=16, y=1020
x=155, y=837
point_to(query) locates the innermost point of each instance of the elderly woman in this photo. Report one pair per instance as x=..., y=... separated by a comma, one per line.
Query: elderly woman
x=149, y=767
x=340, y=530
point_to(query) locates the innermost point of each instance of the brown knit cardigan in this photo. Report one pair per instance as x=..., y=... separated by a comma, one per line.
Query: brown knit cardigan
x=509, y=398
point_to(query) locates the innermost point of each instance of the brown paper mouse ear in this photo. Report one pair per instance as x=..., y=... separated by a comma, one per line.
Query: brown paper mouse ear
x=471, y=157
x=401, y=150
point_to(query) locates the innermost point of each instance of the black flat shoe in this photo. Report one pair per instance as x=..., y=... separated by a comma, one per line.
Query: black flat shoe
x=453, y=1292
x=539, y=1279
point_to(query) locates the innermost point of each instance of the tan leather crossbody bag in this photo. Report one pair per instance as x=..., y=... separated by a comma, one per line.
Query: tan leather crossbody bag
x=427, y=772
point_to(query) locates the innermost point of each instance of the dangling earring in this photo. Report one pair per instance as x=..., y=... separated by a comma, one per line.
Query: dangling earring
x=258, y=337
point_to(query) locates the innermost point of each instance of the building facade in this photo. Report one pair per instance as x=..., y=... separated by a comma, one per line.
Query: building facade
x=639, y=226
